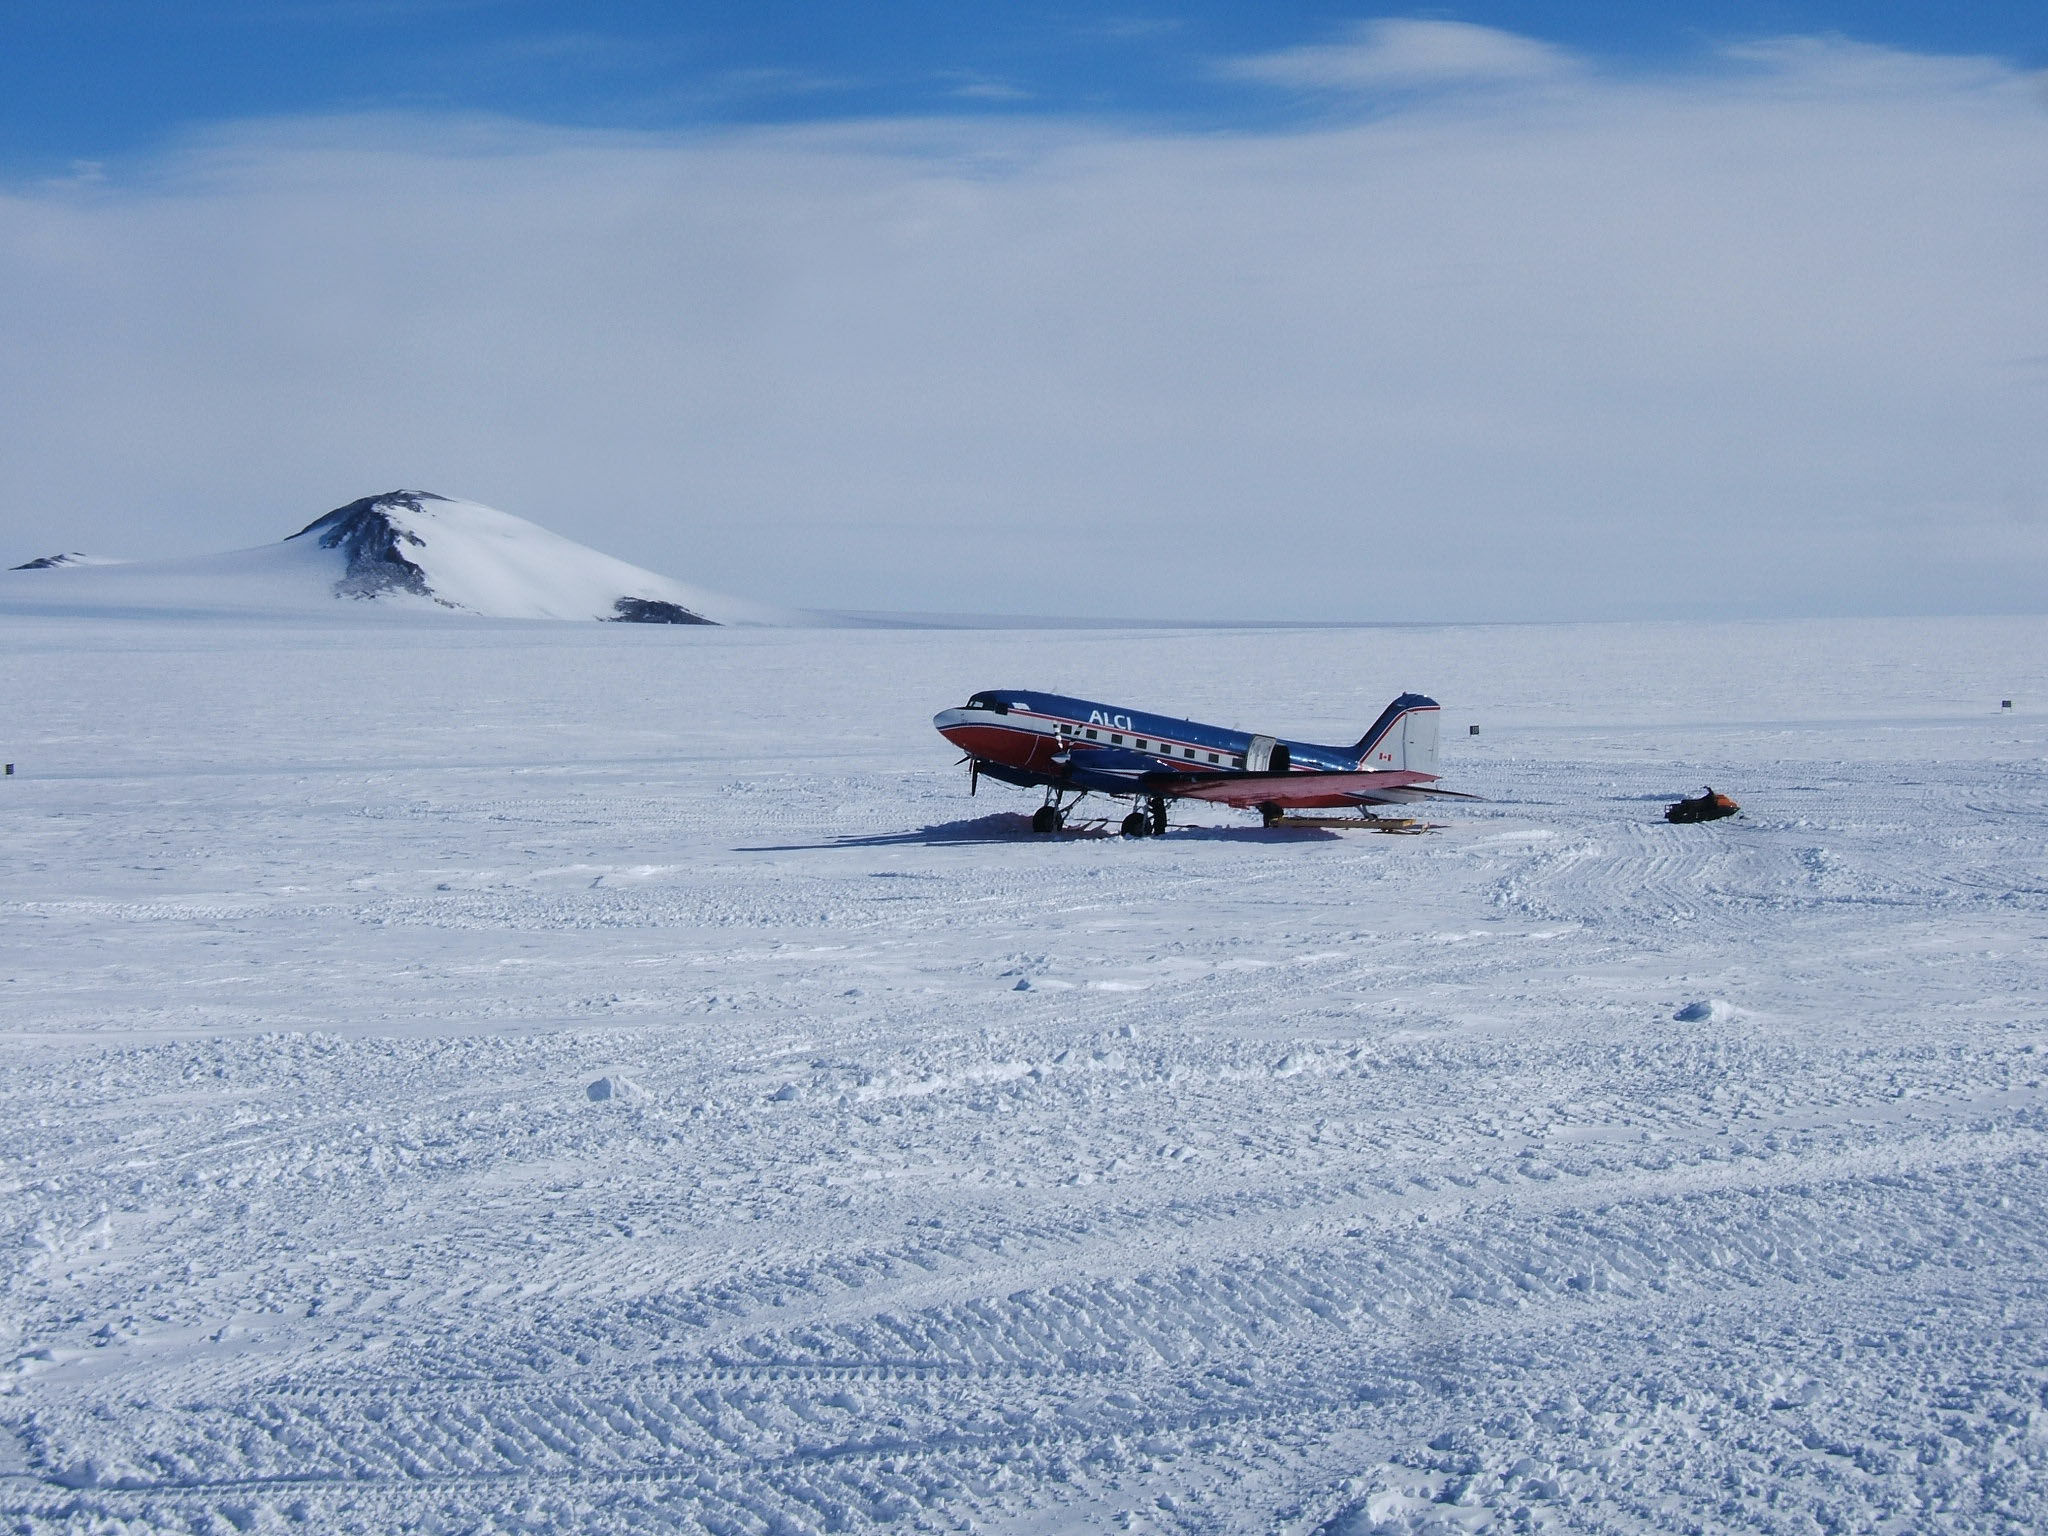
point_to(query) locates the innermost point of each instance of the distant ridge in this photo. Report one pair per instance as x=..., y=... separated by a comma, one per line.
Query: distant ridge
x=55, y=562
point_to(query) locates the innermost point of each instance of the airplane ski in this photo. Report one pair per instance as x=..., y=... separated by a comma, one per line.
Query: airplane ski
x=1398, y=826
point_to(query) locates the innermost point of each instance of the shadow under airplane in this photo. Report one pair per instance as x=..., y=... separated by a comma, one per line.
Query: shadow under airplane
x=1011, y=826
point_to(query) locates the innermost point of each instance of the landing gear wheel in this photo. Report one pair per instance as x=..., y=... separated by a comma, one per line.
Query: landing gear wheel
x=1156, y=807
x=1137, y=824
x=1046, y=820
x=1271, y=814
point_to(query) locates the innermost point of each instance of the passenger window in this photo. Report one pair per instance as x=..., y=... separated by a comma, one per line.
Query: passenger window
x=1091, y=736
x=1115, y=740
x=1139, y=743
x=1190, y=752
x=1213, y=758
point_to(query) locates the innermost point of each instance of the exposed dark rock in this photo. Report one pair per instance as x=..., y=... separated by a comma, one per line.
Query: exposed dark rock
x=48, y=562
x=370, y=545
x=649, y=610
x=378, y=557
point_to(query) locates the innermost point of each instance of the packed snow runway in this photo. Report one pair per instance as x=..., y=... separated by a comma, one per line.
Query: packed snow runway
x=464, y=1075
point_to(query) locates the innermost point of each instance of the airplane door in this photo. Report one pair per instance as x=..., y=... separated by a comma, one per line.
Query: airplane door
x=1265, y=755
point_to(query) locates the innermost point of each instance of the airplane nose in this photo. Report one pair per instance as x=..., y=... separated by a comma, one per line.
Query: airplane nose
x=947, y=719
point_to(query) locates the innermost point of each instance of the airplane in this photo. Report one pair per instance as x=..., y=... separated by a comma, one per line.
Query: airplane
x=1077, y=747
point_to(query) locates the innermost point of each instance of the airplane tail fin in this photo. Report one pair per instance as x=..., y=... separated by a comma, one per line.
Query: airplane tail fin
x=1404, y=737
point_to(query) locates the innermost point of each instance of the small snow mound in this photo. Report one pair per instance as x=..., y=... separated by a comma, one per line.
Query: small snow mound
x=1711, y=1010
x=614, y=1088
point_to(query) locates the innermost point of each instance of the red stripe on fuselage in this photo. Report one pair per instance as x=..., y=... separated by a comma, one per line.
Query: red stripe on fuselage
x=1007, y=744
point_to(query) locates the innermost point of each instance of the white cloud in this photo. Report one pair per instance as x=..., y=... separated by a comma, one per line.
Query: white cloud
x=1748, y=340
x=989, y=90
x=1408, y=54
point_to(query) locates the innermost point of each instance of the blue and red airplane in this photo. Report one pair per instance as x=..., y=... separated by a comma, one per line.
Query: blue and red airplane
x=1073, y=747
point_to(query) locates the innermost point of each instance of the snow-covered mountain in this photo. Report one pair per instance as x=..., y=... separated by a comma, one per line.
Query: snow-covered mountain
x=403, y=551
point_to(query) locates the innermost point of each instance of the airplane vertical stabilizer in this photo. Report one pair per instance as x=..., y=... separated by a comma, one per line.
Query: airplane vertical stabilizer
x=1404, y=736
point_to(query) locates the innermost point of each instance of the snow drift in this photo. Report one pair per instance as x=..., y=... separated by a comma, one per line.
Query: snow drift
x=405, y=550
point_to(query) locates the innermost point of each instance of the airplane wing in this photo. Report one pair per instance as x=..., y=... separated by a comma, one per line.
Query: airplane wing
x=1298, y=790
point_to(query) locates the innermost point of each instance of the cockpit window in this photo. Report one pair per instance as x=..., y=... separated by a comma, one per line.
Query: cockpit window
x=989, y=701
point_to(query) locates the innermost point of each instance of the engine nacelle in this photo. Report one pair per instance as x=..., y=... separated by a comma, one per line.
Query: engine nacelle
x=1266, y=755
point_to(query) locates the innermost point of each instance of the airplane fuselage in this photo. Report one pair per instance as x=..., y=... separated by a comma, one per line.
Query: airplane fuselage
x=1029, y=739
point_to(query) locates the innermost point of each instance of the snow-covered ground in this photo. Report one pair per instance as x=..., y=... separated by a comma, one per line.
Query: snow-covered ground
x=498, y=1077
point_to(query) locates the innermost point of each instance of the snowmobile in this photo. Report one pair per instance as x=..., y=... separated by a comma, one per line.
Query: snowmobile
x=1704, y=806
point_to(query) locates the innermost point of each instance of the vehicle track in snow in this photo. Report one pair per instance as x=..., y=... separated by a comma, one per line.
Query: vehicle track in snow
x=1486, y=1279
x=1392, y=1392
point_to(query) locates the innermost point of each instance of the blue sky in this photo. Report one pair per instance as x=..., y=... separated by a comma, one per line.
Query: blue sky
x=1249, y=311
x=96, y=79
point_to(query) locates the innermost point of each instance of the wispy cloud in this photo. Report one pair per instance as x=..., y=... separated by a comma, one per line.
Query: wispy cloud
x=1408, y=54
x=775, y=81
x=989, y=90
